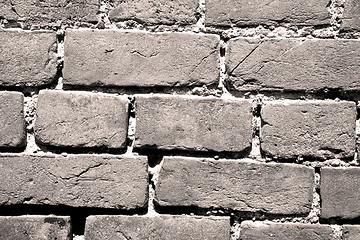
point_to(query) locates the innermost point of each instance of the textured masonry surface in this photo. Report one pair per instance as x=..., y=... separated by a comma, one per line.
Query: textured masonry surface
x=157, y=227
x=76, y=180
x=193, y=123
x=308, y=128
x=338, y=192
x=12, y=120
x=102, y=136
x=120, y=58
x=253, y=13
x=35, y=228
x=101, y=120
x=293, y=64
x=27, y=58
x=242, y=186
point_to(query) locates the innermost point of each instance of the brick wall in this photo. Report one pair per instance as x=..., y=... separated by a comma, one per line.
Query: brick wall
x=186, y=119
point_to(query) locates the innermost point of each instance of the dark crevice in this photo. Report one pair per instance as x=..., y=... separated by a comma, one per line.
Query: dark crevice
x=153, y=150
x=78, y=214
x=81, y=150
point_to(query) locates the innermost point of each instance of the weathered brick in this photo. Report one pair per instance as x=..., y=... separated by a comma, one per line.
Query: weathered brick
x=27, y=58
x=119, y=58
x=164, y=227
x=81, y=119
x=12, y=122
x=289, y=231
x=351, y=232
x=193, y=123
x=35, y=228
x=293, y=64
x=339, y=194
x=247, y=13
x=238, y=185
x=155, y=11
x=351, y=16
x=320, y=129
x=49, y=11
x=103, y=181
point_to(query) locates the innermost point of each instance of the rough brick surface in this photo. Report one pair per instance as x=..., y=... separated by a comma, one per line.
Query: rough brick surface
x=12, y=122
x=81, y=119
x=193, y=123
x=351, y=232
x=162, y=227
x=339, y=194
x=351, y=16
x=48, y=11
x=289, y=231
x=319, y=129
x=119, y=58
x=155, y=11
x=27, y=58
x=239, y=185
x=293, y=64
x=76, y=180
x=247, y=13
x=35, y=228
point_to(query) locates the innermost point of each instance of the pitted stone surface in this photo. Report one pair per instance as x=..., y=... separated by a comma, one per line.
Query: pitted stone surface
x=27, y=58
x=81, y=119
x=289, y=231
x=252, y=13
x=102, y=181
x=238, y=185
x=321, y=129
x=35, y=228
x=48, y=11
x=153, y=12
x=351, y=16
x=293, y=64
x=12, y=122
x=351, y=232
x=164, y=227
x=120, y=58
x=339, y=195
x=193, y=123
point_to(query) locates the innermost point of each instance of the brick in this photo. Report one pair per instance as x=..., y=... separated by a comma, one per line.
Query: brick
x=164, y=227
x=81, y=119
x=46, y=12
x=339, y=194
x=237, y=185
x=35, y=228
x=320, y=129
x=193, y=123
x=268, y=12
x=293, y=64
x=27, y=58
x=119, y=58
x=351, y=232
x=12, y=122
x=152, y=12
x=351, y=16
x=102, y=181
x=290, y=231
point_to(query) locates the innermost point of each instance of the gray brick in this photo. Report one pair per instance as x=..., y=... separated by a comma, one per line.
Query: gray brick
x=351, y=16
x=164, y=227
x=321, y=129
x=351, y=232
x=102, y=181
x=27, y=58
x=12, y=122
x=35, y=228
x=81, y=119
x=119, y=58
x=293, y=64
x=249, y=13
x=237, y=185
x=193, y=123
